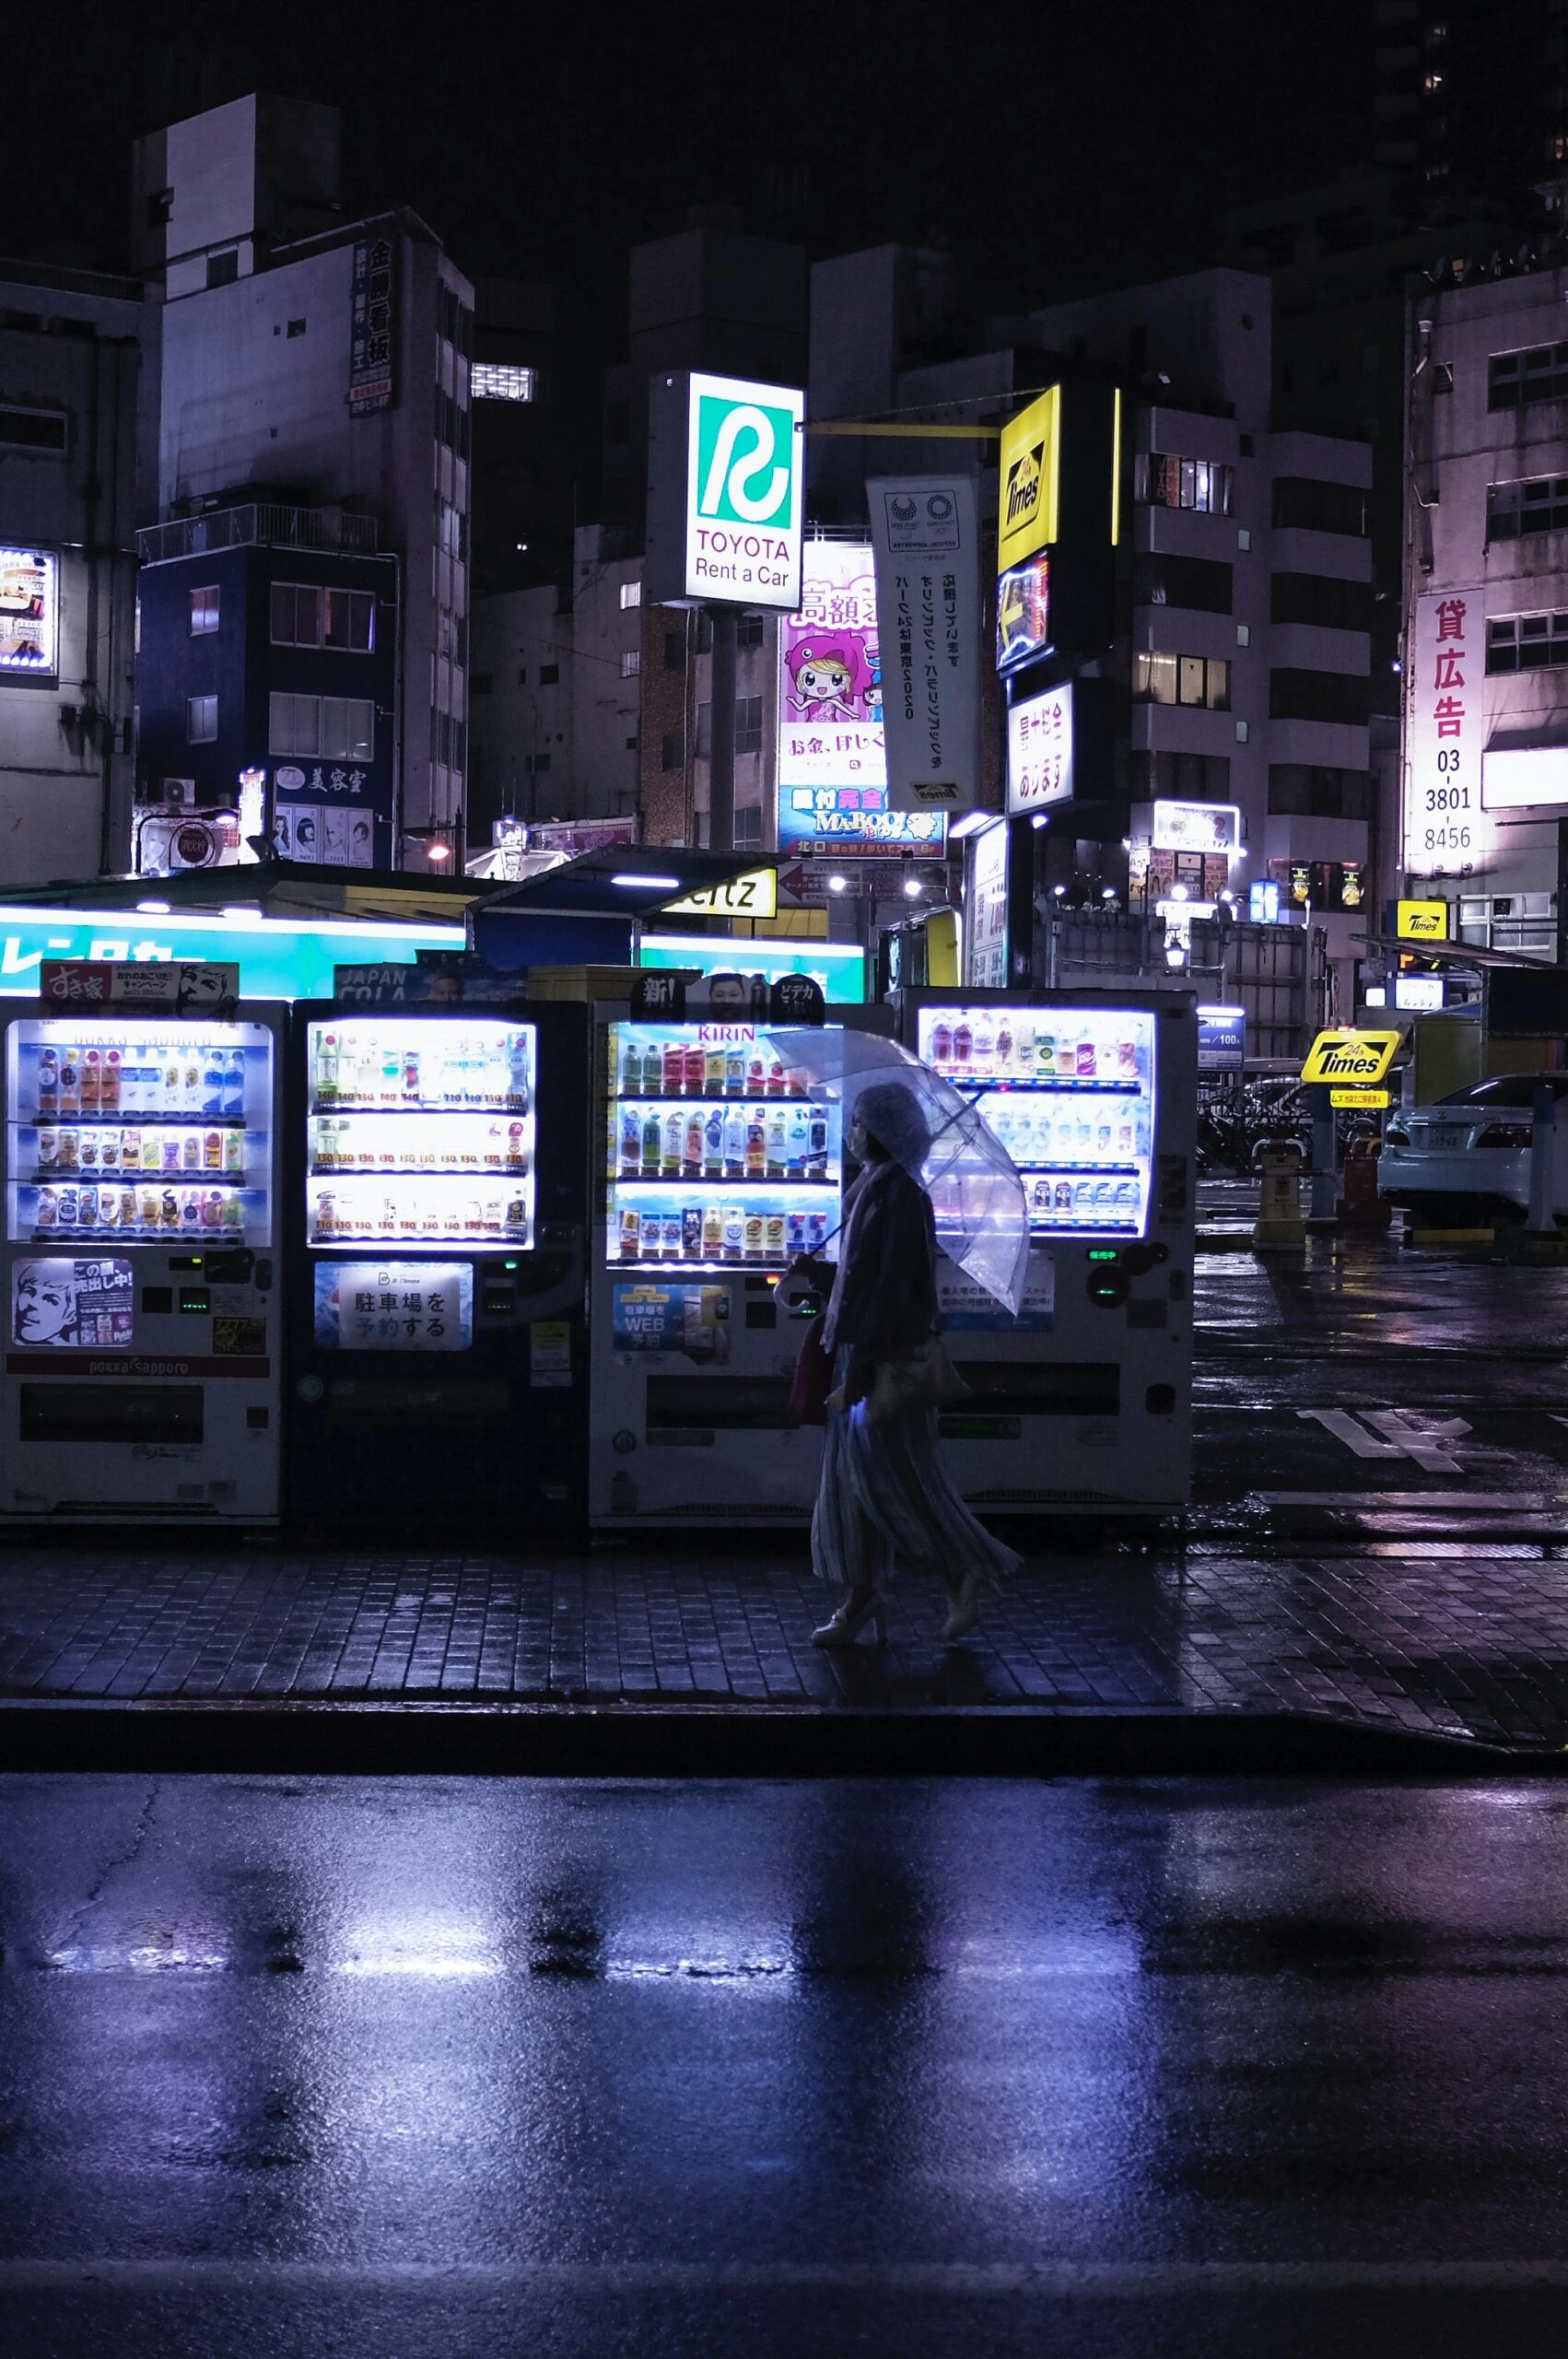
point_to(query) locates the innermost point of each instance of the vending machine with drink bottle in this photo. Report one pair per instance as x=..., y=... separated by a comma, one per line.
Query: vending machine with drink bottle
x=141, y=1368
x=719, y=1170
x=1081, y=1404
x=439, y=1361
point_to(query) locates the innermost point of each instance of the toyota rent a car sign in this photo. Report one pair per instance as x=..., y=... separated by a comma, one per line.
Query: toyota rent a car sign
x=725, y=468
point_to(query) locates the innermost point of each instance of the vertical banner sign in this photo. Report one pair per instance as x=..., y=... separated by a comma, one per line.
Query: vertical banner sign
x=372, y=326
x=928, y=593
x=1445, y=833
x=1039, y=750
x=985, y=933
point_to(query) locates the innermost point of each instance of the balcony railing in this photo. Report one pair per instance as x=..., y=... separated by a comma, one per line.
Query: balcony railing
x=257, y=524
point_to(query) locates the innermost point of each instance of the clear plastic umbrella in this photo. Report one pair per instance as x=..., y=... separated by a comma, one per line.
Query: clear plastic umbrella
x=982, y=1221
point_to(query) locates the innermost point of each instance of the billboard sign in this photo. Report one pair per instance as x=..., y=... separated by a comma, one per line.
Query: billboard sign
x=1444, y=832
x=830, y=696
x=1351, y=1055
x=725, y=492
x=927, y=597
x=29, y=612
x=843, y=820
x=372, y=326
x=1420, y=921
x=985, y=935
x=1196, y=827
x=1039, y=750
x=1222, y=1039
x=1031, y=453
x=1024, y=613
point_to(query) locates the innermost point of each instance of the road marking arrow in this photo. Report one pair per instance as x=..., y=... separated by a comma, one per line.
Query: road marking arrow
x=1405, y=1435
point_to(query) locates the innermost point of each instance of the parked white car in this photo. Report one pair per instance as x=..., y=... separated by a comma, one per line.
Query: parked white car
x=1468, y=1155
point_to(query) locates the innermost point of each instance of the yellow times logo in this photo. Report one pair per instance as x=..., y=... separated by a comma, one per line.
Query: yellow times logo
x=1351, y=1056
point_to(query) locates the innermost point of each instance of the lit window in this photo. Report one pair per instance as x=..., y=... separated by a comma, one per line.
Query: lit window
x=1182, y=679
x=499, y=380
x=631, y=594
x=204, y=611
x=631, y=662
x=340, y=729
x=201, y=719
x=305, y=616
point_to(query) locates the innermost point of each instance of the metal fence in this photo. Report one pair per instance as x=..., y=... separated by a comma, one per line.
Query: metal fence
x=259, y=524
x=1279, y=974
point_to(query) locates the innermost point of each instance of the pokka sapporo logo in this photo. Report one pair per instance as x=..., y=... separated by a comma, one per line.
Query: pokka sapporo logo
x=745, y=472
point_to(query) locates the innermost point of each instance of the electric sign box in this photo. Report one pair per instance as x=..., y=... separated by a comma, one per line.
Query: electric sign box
x=725, y=492
x=1059, y=522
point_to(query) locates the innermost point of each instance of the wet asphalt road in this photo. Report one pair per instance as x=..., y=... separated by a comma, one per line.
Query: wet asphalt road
x=419, y=2068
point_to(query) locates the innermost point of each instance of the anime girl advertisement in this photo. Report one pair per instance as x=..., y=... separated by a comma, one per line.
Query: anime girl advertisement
x=830, y=674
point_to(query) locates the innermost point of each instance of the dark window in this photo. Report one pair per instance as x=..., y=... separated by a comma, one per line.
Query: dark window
x=748, y=630
x=1318, y=695
x=161, y=205
x=1181, y=778
x=296, y=327
x=549, y=675
x=617, y=422
x=201, y=719
x=204, y=611
x=631, y=745
x=540, y=763
x=1302, y=791
x=748, y=725
x=1200, y=583
x=1540, y=374
x=465, y=331
x=1321, y=599
x=305, y=614
x=1526, y=642
x=674, y=651
x=32, y=429
x=480, y=684
x=1538, y=505
x=1182, y=679
x=522, y=675
x=223, y=269
x=674, y=750
x=748, y=827
x=1305, y=504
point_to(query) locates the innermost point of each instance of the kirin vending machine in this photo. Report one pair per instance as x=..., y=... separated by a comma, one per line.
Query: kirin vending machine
x=440, y=1357
x=1083, y=1402
x=718, y=1169
x=141, y=1368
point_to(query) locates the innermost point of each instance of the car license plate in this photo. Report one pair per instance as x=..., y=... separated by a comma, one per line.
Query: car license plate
x=1445, y=1138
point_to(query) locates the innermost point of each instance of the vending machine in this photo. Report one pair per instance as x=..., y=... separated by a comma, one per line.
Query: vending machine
x=438, y=1363
x=1083, y=1402
x=718, y=1169
x=142, y=1368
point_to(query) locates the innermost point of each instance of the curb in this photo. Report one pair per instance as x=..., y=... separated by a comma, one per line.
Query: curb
x=678, y=1740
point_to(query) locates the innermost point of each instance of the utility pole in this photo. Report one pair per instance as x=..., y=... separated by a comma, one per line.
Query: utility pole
x=721, y=732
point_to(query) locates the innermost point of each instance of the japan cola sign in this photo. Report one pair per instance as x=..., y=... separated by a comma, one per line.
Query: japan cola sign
x=724, y=492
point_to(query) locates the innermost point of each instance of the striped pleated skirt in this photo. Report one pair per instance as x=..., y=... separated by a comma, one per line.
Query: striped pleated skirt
x=885, y=1500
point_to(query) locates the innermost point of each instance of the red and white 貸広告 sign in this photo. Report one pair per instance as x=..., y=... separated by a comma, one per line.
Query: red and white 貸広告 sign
x=1444, y=830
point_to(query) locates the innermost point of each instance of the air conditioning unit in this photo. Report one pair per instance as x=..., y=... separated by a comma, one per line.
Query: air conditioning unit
x=167, y=794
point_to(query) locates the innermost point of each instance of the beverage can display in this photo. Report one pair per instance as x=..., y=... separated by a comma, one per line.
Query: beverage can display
x=734, y=1143
x=46, y=1212
x=631, y=1235
x=675, y=1135
x=1127, y=1059
x=109, y=1151
x=734, y=1231
x=516, y=1157
x=777, y=1149
x=233, y=1211
x=755, y=1232
x=963, y=1043
x=326, y=1212
x=816, y=1147
x=168, y=1151
x=631, y=1143
x=47, y=1153
x=516, y=1216
x=70, y=1148
x=713, y=1146
x=147, y=1207
x=652, y=1134
x=695, y=1066
x=776, y=1085
x=130, y=1150
x=631, y=1070
x=691, y=1152
x=756, y=1144
x=190, y=1151
x=127, y=1208
x=234, y=1087
x=691, y=1233
x=212, y=1150
x=757, y=1075
x=734, y=1072
x=1086, y=1057
x=48, y=1081
x=92, y=1068
x=713, y=1072
x=70, y=1081
x=69, y=1201
x=190, y=1207
x=816, y=1232
x=212, y=1208
x=795, y=1232
x=674, y=1069
x=87, y=1151
x=1064, y=1195
x=773, y=1242
x=1045, y=1055
x=941, y=1044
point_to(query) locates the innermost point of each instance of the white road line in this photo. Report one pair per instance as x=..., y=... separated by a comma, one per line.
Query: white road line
x=1451, y=1502
x=1345, y=1429
x=1093, y=2279
x=1406, y=1434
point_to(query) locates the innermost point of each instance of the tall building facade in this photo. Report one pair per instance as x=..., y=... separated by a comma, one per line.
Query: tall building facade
x=1486, y=677
x=72, y=350
x=1472, y=97
x=317, y=372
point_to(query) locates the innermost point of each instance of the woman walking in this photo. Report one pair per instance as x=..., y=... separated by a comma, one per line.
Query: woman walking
x=884, y=1495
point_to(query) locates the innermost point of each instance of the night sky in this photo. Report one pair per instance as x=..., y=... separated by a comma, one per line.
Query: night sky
x=1057, y=149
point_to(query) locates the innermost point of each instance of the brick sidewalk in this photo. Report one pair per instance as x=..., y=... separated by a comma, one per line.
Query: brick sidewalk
x=1456, y=1638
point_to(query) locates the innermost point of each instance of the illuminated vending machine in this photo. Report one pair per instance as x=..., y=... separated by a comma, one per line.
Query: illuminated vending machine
x=716, y=1172
x=142, y=1370
x=438, y=1363
x=1083, y=1402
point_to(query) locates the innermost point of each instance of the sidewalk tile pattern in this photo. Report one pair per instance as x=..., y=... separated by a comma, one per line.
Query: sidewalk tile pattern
x=1459, y=1637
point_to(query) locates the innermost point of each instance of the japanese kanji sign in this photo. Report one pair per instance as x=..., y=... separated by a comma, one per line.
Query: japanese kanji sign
x=373, y=1305
x=830, y=701
x=373, y=346
x=927, y=605
x=1444, y=832
x=1039, y=750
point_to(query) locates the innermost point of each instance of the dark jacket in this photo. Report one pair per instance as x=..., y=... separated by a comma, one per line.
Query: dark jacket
x=888, y=1304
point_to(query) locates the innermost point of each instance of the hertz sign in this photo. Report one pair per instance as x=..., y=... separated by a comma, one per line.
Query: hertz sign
x=1351, y=1056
